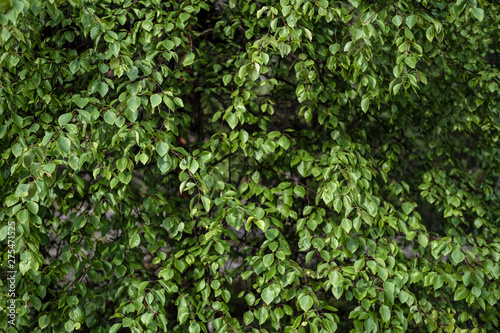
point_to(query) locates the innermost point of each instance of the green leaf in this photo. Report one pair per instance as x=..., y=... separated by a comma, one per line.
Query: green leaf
x=299, y=191
x=179, y=102
x=125, y=177
x=467, y=278
x=272, y=234
x=182, y=314
x=130, y=114
x=206, y=203
x=24, y=266
x=64, y=144
x=383, y=273
x=337, y=204
x=232, y=121
x=133, y=73
x=423, y=240
x=127, y=322
x=184, y=17
x=306, y=302
x=260, y=224
x=346, y=225
x=461, y=293
x=429, y=33
x=409, y=34
x=32, y=207
x=18, y=120
x=335, y=278
x=389, y=290
x=268, y=295
x=169, y=44
x=365, y=103
x=188, y=60
x=193, y=166
x=284, y=142
x=46, y=138
x=410, y=61
x=73, y=162
x=291, y=20
x=147, y=25
x=168, y=101
x=27, y=159
x=355, y=3
x=147, y=318
x=69, y=326
x=457, y=256
x=268, y=259
x=226, y=79
x=134, y=241
x=334, y=48
x=155, y=100
x=411, y=20
x=115, y=328
x=43, y=321
x=102, y=88
x=115, y=49
x=397, y=20
x=455, y=201
x=74, y=66
x=407, y=207
x=385, y=313
x=120, y=271
x=133, y=103
x=110, y=117
x=162, y=148
x=263, y=315
x=121, y=164
x=79, y=222
x=248, y=317
x=369, y=325
x=396, y=88
x=194, y=328
x=80, y=101
x=478, y=13
x=11, y=200
x=422, y=77
x=327, y=196
x=143, y=157
x=65, y=118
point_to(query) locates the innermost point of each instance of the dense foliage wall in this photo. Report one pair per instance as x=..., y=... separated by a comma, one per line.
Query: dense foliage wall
x=249, y=166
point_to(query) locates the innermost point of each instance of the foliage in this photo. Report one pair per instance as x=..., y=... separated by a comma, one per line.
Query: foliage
x=251, y=166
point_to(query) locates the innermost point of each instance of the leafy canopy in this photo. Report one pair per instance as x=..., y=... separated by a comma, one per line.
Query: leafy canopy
x=251, y=166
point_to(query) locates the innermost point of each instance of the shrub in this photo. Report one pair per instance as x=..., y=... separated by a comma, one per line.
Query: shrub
x=250, y=166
